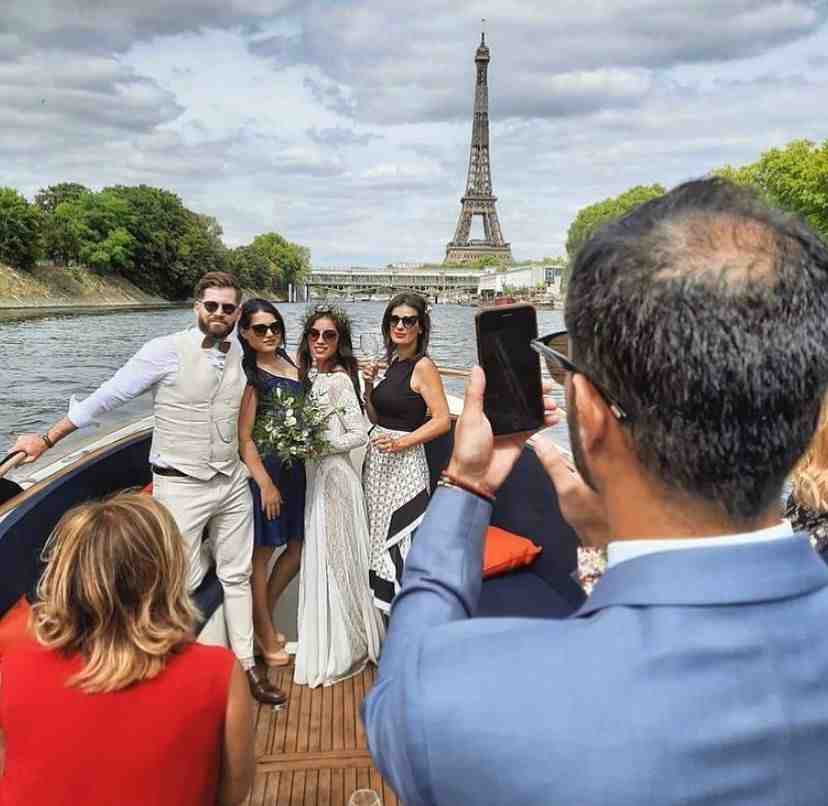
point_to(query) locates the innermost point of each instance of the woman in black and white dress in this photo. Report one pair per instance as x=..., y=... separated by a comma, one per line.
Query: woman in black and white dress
x=395, y=475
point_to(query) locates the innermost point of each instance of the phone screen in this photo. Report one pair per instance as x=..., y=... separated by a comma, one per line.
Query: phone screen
x=514, y=399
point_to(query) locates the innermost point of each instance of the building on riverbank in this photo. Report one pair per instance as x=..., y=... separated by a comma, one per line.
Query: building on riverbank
x=537, y=279
x=360, y=283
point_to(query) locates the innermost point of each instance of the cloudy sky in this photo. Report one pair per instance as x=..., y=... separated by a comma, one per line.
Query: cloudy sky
x=345, y=125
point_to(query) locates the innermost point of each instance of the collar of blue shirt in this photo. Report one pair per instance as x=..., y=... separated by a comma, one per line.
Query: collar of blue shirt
x=622, y=550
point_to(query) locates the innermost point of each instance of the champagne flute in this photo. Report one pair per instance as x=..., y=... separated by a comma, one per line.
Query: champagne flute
x=364, y=797
x=370, y=345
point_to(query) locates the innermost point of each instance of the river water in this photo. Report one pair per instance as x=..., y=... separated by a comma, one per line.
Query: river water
x=45, y=360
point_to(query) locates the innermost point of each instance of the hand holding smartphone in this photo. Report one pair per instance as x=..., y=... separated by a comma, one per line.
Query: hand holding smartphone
x=513, y=401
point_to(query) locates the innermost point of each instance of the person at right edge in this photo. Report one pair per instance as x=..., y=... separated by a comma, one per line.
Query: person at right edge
x=697, y=671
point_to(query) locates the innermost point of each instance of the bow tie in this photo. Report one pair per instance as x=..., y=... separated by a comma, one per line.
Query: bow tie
x=209, y=342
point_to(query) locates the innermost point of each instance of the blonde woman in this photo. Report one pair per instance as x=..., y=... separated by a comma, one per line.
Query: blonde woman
x=807, y=507
x=114, y=702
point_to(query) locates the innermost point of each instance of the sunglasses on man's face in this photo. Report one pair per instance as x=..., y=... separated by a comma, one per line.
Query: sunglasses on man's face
x=554, y=349
x=328, y=336
x=406, y=321
x=227, y=308
x=261, y=330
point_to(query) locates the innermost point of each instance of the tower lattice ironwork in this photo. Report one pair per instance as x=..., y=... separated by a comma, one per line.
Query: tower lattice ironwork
x=479, y=199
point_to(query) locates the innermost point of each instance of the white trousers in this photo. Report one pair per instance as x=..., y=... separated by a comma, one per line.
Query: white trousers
x=223, y=505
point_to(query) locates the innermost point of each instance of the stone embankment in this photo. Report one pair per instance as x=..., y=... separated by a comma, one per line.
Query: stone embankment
x=75, y=287
x=59, y=287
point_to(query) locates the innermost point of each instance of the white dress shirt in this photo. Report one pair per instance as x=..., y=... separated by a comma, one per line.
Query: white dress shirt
x=621, y=550
x=155, y=363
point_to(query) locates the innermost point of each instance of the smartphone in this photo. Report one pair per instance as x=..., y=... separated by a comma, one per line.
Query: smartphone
x=514, y=397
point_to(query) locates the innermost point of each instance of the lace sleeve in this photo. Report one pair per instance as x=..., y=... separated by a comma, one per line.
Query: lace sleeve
x=351, y=432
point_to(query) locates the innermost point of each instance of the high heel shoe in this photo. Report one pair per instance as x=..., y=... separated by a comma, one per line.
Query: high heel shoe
x=273, y=660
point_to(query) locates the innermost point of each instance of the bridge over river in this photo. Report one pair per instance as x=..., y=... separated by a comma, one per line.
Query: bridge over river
x=436, y=283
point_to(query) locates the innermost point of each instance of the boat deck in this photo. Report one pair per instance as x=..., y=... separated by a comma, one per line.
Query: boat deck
x=313, y=751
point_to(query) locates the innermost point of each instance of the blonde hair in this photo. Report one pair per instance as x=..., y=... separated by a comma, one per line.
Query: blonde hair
x=809, y=479
x=114, y=591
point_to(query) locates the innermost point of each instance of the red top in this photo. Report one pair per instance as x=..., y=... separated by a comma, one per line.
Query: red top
x=154, y=743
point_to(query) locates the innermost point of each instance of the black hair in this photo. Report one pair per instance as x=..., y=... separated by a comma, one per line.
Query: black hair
x=706, y=313
x=258, y=305
x=411, y=300
x=344, y=349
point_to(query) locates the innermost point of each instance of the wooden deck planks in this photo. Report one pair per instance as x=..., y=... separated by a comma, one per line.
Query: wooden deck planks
x=314, y=752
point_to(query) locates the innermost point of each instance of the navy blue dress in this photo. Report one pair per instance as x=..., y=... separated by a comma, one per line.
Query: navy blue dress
x=290, y=525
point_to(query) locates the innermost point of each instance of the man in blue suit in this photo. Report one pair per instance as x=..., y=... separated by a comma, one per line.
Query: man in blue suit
x=697, y=671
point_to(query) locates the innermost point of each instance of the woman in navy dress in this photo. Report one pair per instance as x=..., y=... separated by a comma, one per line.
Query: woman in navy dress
x=278, y=491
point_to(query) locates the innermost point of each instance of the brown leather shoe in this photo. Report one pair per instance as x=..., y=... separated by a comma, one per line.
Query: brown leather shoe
x=263, y=690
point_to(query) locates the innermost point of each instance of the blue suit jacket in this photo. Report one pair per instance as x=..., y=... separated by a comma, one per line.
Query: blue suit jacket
x=688, y=677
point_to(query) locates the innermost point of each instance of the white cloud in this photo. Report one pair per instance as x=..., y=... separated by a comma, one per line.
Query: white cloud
x=346, y=127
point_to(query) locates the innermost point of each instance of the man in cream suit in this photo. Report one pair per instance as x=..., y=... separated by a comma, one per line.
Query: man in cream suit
x=197, y=382
x=697, y=671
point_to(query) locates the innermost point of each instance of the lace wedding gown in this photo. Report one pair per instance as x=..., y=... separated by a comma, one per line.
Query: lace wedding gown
x=340, y=630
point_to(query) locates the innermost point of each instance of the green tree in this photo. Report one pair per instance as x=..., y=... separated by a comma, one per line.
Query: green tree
x=48, y=199
x=200, y=248
x=20, y=224
x=112, y=254
x=595, y=215
x=64, y=233
x=794, y=177
x=158, y=222
x=252, y=268
x=290, y=262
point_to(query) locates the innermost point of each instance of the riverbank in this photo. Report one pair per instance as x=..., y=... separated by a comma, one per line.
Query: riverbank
x=76, y=289
x=68, y=287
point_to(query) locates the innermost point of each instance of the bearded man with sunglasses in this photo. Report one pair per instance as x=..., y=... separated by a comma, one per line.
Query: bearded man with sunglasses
x=197, y=382
x=697, y=670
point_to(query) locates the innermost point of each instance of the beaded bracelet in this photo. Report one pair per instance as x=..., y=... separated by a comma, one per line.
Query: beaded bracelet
x=45, y=438
x=449, y=480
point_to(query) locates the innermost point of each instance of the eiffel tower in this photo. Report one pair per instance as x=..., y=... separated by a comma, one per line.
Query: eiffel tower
x=479, y=199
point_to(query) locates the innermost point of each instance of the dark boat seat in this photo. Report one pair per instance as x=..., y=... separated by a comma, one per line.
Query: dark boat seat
x=527, y=505
x=24, y=531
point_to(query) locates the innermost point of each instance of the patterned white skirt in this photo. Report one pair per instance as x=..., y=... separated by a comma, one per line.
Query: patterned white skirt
x=396, y=496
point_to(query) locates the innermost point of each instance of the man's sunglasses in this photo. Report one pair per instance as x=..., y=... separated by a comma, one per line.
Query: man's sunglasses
x=406, y=321
x=227, y=308
x=554, y=349
x=329, y=336
x=261, y=330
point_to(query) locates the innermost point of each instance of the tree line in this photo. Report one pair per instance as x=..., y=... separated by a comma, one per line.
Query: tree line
x=142, y=233
x=793, y=178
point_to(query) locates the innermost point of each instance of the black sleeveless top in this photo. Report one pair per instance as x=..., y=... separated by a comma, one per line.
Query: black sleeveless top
x=397, y=405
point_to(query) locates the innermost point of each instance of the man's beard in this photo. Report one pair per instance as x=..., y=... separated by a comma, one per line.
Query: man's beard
x=575, y=441
x=214, y=329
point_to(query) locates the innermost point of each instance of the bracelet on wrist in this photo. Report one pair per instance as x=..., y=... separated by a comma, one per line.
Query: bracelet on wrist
x=45, y=438
x=450, y=480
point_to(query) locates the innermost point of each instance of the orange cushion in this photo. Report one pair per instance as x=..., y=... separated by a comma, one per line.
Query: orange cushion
x=504, y=551
x=14, y=625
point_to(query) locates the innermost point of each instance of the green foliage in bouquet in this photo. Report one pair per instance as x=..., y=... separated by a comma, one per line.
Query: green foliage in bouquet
x=291, y=427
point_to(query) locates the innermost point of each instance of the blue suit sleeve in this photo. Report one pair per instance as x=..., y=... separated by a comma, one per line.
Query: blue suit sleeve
x=441, y=584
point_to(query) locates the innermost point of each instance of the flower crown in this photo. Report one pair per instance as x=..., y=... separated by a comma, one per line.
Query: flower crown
x=331, y=310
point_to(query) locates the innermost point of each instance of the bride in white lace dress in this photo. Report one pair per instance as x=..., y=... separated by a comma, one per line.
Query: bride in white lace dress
x=340, y=630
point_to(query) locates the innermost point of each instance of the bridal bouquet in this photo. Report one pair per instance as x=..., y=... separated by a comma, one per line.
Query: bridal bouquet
x=291, y=427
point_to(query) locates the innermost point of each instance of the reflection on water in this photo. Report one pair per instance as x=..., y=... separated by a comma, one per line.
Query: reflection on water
x=46, y=358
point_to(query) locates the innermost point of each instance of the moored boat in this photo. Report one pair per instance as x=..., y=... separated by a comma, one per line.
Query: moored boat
x=314, y=749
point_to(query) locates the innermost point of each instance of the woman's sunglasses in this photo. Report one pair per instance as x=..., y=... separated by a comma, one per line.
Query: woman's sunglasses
x=329, y=336
x=261, y=330
x=227, y=308
x=406, y=321
x=554, y=349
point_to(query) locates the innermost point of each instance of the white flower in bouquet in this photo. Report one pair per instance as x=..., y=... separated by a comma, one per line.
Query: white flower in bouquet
x=292, y=428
